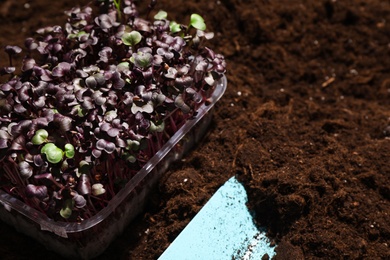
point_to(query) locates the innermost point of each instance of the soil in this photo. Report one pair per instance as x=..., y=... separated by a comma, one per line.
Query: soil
x=304, y=125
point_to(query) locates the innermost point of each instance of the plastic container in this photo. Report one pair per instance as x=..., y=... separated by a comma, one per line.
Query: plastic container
x=91, y=237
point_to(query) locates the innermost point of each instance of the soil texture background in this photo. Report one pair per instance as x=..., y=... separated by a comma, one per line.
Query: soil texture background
x=304, y=125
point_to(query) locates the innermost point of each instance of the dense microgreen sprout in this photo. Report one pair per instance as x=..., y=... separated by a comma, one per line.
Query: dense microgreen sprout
x=132, y=38
x=197, y=22
x=95, y=100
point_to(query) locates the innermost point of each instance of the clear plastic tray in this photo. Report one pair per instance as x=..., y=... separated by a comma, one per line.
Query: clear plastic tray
x=91, y=237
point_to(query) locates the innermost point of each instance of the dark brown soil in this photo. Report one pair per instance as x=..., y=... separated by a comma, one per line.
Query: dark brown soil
x=304, y=124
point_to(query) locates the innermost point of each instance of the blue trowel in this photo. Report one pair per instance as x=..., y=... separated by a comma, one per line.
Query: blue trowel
x=222, y=230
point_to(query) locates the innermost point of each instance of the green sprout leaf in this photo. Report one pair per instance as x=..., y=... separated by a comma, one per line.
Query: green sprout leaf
x=84, y=166
x=69, y=151
x=132, y=145
x=161, y=15
x=98, y=189
x=174, y=27
x=67, y=208
x=142, y=59
x=52, y=152
x=197, y=22
x=129, y=157
x=159, y=127
x=40, y=137
x=131, y=38
x=123, y=66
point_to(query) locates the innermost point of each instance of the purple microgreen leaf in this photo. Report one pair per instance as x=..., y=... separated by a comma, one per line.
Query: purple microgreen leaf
x=84, y=185
x=91, y=69
x=185, y=81
x=201, y=66
x=30, y=44
x=157, y=60
x=117, y=81
x=77, y=55
x=61, y=69
x=4, y=134
x=99, y=99
x=40, y=88
x=128, y=98
x=87, y=103
x=64, y=122
x=142, y=25
x=142, y=122
x=113, y=132
x=25, y=169
x=105, y=127
x=6, y=87
x=177, y=44
x=104, y=21
x=39, y=192
x=120, y=142
x=28, y=64
x=48, y=179
x=23, y=92
x=79, y=201
x=7, y=70
x=18, y=143
x=3, y=143
x=105, y=54
x=19, y=108
x=141, y=91
x=12, y=50
x=112, y=98
x=163, y=52
x=82, y=74
x=96, y=153
x=91, y=82
x=158, y=98
x=105, y=145
x=38, y=161
x=99, y=77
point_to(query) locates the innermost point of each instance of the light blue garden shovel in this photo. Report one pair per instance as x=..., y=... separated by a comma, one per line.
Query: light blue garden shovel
x=222, y=230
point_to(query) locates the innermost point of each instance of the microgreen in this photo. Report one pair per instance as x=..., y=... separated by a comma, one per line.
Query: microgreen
x=161, y=15
x=131, y=38
x=95, y=100
x=197, y=22
x=174, y=27
x=52, y=152
x=40, y=137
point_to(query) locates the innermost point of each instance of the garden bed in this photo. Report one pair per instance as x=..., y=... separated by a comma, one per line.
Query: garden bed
x=304, y=124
